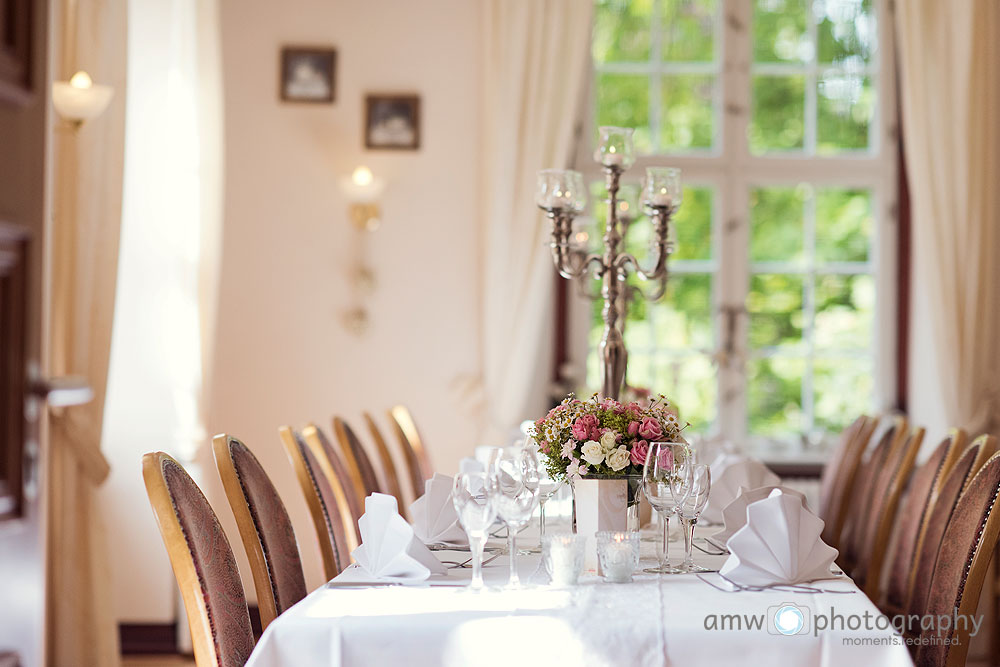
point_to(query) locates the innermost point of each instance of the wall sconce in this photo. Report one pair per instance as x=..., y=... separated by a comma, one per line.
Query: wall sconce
x=80, y=99
x=362, y=190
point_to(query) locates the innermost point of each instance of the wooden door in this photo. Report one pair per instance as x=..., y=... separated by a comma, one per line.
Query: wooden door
x=23, y=132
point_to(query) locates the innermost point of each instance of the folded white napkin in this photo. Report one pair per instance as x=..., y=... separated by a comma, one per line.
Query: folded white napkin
x=435, y=520
x=729, y=473
x=780, y=544
x=734, y=516
x=389, y=550
x=469, y=464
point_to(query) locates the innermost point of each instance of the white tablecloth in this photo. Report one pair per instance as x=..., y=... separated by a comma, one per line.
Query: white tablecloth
x=656, y=620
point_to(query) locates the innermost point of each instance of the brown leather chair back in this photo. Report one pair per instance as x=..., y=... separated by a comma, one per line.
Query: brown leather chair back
x=334, y=526
x=966, y=548
x=414, y=452
x=203, y=564
x=924, y=488
x=884, y=502
x=839, y=476
x=333, y=465
x=390, y=477
x=927, y=551
x=264, y=526
x=355, y=456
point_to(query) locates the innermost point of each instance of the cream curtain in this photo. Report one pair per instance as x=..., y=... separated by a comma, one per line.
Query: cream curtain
x=83, y=240
x=950, y=90
x=535, y=60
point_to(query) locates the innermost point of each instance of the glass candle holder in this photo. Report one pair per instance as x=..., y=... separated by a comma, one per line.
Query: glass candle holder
x=618, y=553
x=615, y=147
x=563, y=556
x=561, y=190
x=663, y=187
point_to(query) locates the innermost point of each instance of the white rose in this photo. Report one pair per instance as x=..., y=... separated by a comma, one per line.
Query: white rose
x=592, y=452
x=618, y=459
x=609, y=441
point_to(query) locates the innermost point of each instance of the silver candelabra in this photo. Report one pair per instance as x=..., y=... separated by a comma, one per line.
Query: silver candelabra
x=562, y=195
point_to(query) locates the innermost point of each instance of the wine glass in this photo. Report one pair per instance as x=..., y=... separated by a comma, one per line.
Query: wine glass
x=690, y=490
x=664, y=461
x=475, y=505
x=513, y=476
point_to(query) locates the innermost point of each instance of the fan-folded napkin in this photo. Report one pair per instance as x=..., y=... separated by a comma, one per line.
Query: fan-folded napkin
x=389, y=549
x=435, y=520
x=730, y=473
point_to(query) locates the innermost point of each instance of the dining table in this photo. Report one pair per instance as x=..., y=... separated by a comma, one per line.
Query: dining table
x=655, y=620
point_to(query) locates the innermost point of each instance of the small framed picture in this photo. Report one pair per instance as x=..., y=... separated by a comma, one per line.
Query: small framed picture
x=392, y=122
x=308, y=74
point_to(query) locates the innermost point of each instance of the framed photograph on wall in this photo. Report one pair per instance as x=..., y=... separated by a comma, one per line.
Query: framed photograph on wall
x=392, y=122
x=308, y=74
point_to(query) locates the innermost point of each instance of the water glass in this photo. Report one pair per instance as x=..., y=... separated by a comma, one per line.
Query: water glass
x=618, y=553
x=664, y=461
x=690, y=490
x=513, y=477
x=563, y=556
x=476, y=508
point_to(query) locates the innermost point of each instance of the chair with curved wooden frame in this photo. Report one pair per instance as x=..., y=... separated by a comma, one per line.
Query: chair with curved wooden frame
x=852, y=547
x=332, y=465
x=359, y=464
x=882, y=508
x=926, y=555
x=839, y=475
x=264, y=527
x=326, y=501
x=966, y=549
x=414, y=452
x=203, y=564
x=390, y=478
x=924, y=488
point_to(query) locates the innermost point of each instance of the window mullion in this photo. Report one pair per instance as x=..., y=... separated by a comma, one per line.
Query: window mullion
x=656, y=76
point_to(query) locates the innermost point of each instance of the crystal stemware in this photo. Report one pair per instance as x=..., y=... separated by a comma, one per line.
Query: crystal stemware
x=690, y=490
x=475, y=505
x=514, y=479
x=663, y=462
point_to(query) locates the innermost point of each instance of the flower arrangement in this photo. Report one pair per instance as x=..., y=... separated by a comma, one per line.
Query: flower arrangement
x=602, y=436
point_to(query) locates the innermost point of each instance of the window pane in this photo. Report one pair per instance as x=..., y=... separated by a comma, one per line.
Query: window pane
x=690, y=383
x=843, y=389
x=623, y=100
x=775, y=306
x=682, y=319
x=687, y=118
x=846, y=30
x=774, y=396
x=776, y=224
x=845, y=108
x=692, y=225
x=844, y=225
x=779, y=31
x=778, y=116
x=844, y=311
x=689, y=30
x=622, y=30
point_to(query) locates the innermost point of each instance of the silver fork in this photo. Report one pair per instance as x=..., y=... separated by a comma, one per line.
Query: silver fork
x=468, y=563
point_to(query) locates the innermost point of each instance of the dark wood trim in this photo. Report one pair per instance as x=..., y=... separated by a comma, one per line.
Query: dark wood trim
x=161, y=638
x=800, y=470
x=560, y=354
x=903, y=278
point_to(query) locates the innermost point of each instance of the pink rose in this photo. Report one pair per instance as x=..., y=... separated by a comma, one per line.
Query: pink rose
x=639, y=452
x=633, y=428
x=544, y=447
x=665, y=460
x=584, y=426
x=650, y=429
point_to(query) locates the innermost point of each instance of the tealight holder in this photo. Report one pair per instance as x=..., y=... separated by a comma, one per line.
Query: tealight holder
x=618, y=553
x=563, y=556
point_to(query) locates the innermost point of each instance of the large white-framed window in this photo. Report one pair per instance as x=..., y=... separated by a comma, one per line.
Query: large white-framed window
x=779, y=323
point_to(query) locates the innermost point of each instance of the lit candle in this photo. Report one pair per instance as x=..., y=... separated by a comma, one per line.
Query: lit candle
x=662, y=197
x=612, y=159
x=563, y=555
x=617, y=552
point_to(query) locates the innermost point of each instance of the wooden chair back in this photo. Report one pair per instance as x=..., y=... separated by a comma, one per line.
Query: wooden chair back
x=924, y=489
x=359, y=465
x=338, y=474
x=203, y=564
x=839, y=476
x=414, y=452
x=966, y=549
x=956, y=481
x=326, y=500
x=264, y=527
x=889, y=484
x=389, y=476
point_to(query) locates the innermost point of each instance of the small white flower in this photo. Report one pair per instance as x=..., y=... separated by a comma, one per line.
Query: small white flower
x=592, y=452
x=575, y=470
x=609, y=441
x=618, y=459
x=568, y=448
